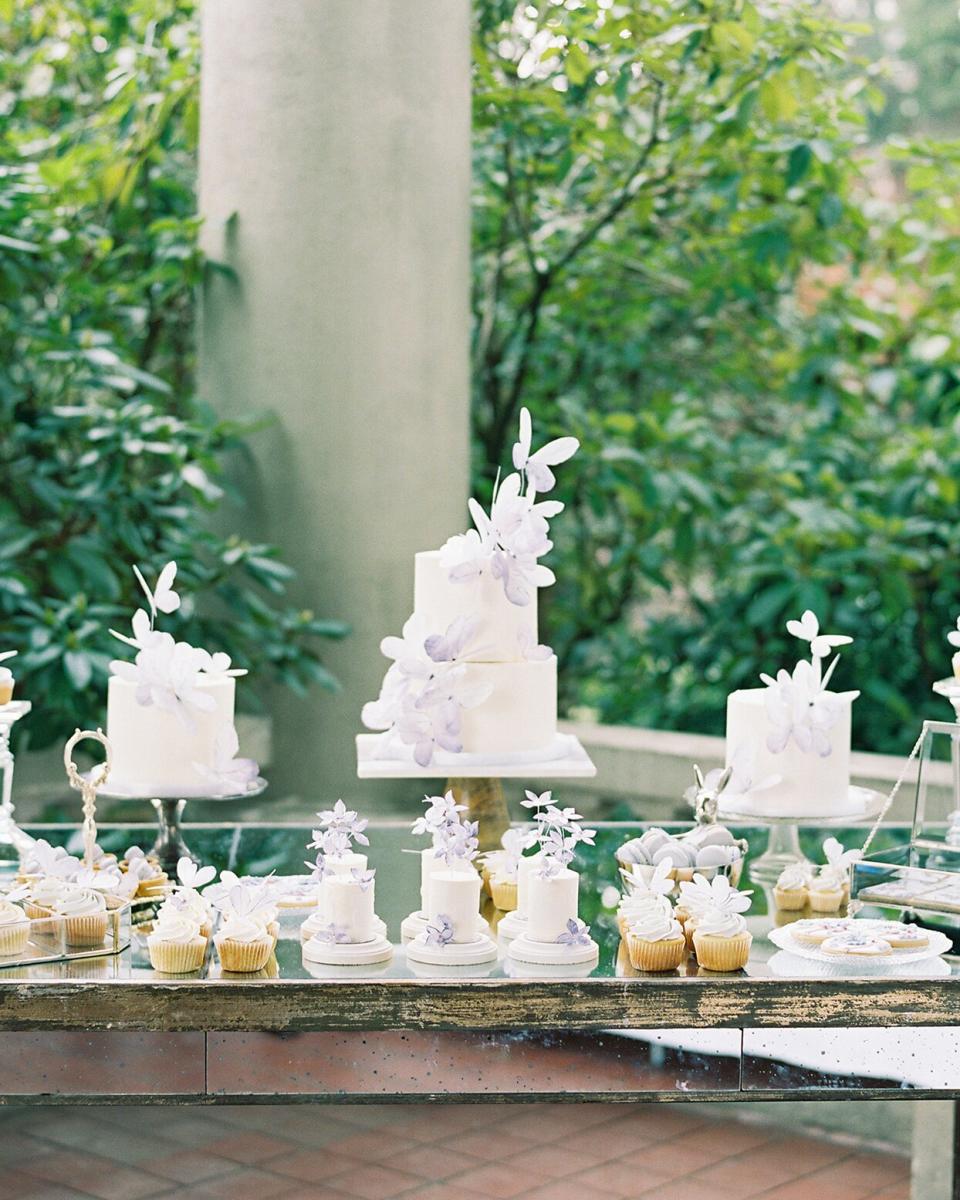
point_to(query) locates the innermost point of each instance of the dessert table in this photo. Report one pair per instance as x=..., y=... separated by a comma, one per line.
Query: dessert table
x=111, y=1028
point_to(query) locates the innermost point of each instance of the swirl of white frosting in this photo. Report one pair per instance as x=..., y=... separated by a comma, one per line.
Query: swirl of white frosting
x=80, y=902
x=656, y=927
x=46, y=892
x=793, y=878
x=241, y=929
x=824, y=883
x=642, y=903
x=838, y=876
x=10, y=913
x=718, y=923
x=174, y=926
x=190, y=901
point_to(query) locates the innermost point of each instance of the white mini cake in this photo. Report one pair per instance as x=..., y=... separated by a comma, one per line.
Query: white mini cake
x=154, y=752
x=455, y=894
x=788, y=744
x=468, y=676
x=551, y=902
x=350, y=908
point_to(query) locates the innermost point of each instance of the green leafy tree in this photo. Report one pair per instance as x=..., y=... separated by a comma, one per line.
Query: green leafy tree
x=683, y=259
x=106, y=457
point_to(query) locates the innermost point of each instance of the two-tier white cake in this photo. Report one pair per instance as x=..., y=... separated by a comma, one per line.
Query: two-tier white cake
x=469, y=676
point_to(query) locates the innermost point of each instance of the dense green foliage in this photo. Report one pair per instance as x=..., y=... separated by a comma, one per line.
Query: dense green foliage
x=690, y=250
x=689, y=255
x=106, y=458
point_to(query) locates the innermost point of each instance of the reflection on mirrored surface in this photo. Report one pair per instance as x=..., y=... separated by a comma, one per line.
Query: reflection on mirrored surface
x=259, y=849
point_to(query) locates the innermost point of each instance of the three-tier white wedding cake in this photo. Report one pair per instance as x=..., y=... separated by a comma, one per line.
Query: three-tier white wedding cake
x=468, y=676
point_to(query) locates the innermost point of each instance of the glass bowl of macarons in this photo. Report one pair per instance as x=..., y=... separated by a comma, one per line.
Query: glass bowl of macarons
x=705, y=849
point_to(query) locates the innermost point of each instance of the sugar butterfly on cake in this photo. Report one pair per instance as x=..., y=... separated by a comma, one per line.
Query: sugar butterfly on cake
x=452, y=931
x=553, y=932
x=469, y=676
x=170, y=711
x=795, y=735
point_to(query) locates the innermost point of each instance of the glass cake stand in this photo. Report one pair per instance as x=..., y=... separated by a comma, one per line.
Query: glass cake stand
x=170, y=845
x=783, y=842
x=13, y=841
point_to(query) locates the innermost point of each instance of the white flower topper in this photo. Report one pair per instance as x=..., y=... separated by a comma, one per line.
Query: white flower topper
x=507, y=542
x=799, y=705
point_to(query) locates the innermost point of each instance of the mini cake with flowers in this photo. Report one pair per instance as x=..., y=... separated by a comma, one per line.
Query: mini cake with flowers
x=553, y=932
x=468, y=676
x=170, y=711
x=788, y=742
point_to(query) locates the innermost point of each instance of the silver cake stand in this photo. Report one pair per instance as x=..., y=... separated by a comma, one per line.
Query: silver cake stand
x=783, y=842
x=13, y=840
x=170, y=845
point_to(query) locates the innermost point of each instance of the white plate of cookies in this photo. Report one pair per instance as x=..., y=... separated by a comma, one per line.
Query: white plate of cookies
x=861, y=941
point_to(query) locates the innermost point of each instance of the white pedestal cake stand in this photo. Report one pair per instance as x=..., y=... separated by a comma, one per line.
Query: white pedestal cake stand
x=783, y=842
x=170, y=846
x=13, y=840
x=478, y=785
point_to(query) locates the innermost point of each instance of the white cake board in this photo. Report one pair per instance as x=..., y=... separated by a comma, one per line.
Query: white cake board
x=525, y=949
x=454, y=954
x=511, y=925
x=348, y=971
x=566, y=759
x=352, y=954
x=416, y=923
x=862, y=804
x=517, y=969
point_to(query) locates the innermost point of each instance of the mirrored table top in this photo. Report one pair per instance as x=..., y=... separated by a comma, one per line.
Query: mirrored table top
x=776, y=988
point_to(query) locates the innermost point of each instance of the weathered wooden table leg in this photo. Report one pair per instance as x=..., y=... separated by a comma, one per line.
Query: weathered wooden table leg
x=486, y=804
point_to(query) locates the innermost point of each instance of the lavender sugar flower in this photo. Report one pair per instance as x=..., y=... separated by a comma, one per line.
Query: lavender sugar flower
x=559, y=832
x=577, y=933
x=439, y=932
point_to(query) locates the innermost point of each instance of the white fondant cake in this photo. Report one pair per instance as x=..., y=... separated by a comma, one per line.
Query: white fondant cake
x=503, y=628
x=551, y=902
x=350, y=908
x=788, y=743
x=520, y=713
x=455, y=894
x=468, y=676
x=793, y=783
x=155, y=752
x=431, y=865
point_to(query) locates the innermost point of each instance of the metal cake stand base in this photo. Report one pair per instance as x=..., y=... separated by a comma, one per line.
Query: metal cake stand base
x=170, y=845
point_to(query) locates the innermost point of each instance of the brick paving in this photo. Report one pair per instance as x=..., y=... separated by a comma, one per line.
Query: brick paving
x=420, y=1152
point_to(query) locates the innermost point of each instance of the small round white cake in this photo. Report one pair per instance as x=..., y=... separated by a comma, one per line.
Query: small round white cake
x=791, y=782
x=155, y=752
x=551, y=901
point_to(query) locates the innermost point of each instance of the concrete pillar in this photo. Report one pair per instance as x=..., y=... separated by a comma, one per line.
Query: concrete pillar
x=334, y=181
x=932, y=1176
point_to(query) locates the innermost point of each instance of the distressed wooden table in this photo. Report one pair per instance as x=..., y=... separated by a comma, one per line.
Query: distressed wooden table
x=111, y=1028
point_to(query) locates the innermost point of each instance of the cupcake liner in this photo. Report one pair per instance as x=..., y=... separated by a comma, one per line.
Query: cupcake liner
x=177, y=958
x=689, y=929
x=14, y=936
x=664, y=955
x=44, y=923
x=273, y=932
x=244, y=956
x=826, y=902
x=504, y=892
x=722, y=953
x=87, y=930
x=790, y=899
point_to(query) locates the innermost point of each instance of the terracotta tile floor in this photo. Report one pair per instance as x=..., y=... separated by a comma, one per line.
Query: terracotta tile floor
x=419, y=1152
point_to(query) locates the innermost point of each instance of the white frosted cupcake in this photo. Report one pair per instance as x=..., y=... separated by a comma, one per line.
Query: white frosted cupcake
x=14, y=928
x=191, y=904
x=40, y=905
x=84, y=914
x=825, y=894
x=176, y=945
x=7, y=683
x=790, y=891
x=243, y=945
x=656, y=942
x=721, y=940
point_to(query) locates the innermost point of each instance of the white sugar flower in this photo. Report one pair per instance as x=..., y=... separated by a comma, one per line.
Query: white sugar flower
x=808, y=630
x=799, y=706
x=839, y=861
x=162, y=598
x=537, y=465
x=703, y=894
x=228, y=773
x=193, y=876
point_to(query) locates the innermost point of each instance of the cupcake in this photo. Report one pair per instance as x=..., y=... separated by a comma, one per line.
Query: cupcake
x=825, y=893
x=243, y=945
x=656, y=943
x=839, y=865
x=6, y=685
x=504, y=892
x=84, y=914
x=189, y=903
x=14, y=928
x=176, y=945
x=722, y=941
x=790, y=891
x=40, y=905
